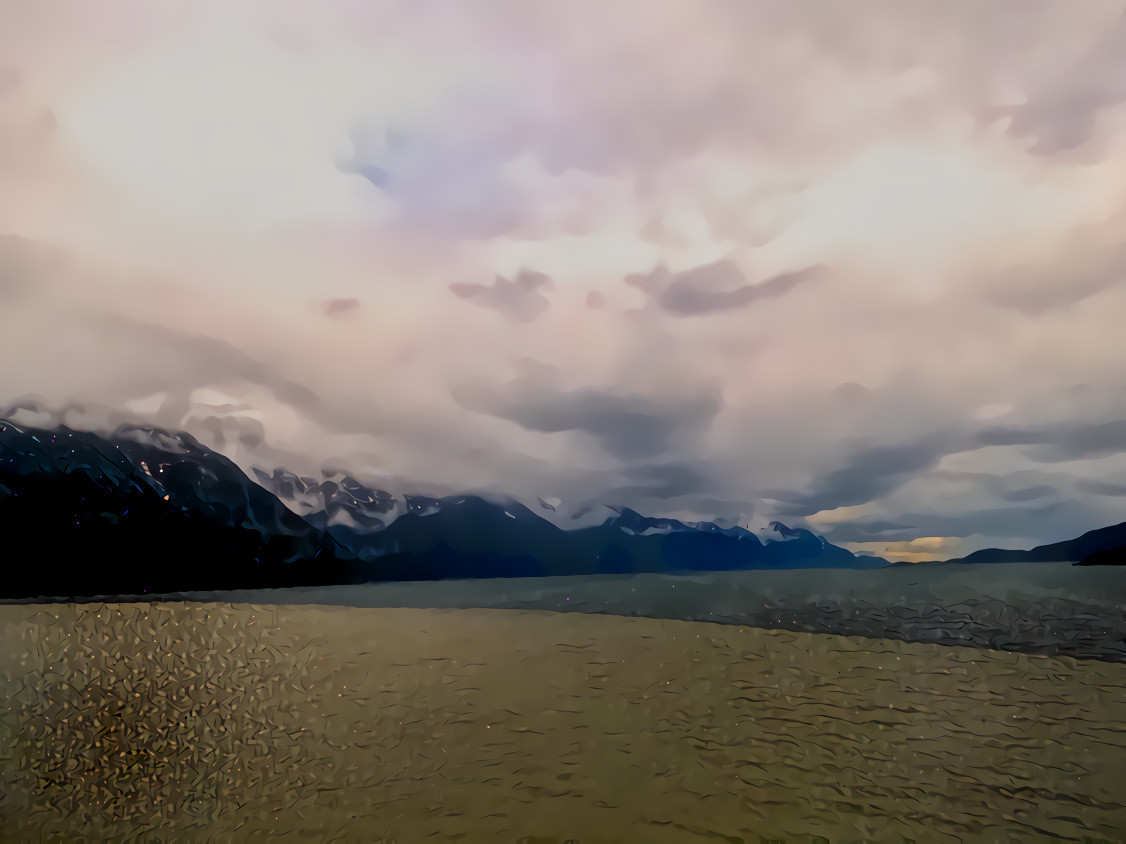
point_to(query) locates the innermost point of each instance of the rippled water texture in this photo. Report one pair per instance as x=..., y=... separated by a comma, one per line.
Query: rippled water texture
x=194, y=722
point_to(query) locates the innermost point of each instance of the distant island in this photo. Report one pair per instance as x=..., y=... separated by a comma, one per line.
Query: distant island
x=1104, y=546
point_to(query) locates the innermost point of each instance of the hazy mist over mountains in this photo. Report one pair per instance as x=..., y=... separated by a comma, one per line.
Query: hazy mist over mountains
x=146, y=510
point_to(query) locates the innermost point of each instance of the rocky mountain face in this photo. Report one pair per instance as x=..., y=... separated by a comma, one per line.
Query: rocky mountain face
x=147, y=510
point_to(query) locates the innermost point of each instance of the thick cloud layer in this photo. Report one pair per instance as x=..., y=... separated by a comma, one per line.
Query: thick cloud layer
x=857, y=266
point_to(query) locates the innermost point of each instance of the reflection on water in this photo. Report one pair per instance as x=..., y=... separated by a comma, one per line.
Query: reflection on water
x=195, y=722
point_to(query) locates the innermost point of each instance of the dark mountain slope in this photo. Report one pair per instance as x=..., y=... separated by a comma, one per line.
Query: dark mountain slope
x=1071, y=550
x=1107, y=557
x=146, y=510
x=83, y=516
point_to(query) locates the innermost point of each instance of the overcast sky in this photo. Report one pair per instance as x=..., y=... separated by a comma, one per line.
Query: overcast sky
x=857, y=266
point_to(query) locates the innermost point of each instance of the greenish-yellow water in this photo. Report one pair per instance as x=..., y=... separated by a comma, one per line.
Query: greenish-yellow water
x=219, y=722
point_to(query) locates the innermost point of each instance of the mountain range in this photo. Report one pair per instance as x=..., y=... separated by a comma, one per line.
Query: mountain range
x=144, y=510
x=1103, y=546
x=147, y=510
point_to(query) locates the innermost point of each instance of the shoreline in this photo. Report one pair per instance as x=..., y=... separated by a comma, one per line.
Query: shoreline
x=1037, y=608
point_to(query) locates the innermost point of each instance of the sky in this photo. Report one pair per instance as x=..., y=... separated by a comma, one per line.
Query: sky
x=857, y=267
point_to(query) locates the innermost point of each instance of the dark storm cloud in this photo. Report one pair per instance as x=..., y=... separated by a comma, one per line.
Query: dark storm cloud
x=875, y=530
x=668, y=480
x=1065, y=441
x=627, y=426
x=1101, y=488
x=1014, y=487
x=711, y=288
x=1046, y=496
x=868, y=475
x=518, y=299
x=1041, y=524
x=1029, y=493
x=992, y=521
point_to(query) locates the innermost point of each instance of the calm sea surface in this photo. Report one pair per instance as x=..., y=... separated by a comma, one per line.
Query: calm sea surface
x=239, y=722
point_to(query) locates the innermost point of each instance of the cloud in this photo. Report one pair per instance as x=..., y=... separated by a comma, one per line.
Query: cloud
x=338, y=308
x=1096, y=262
x=223, y=431
x=992, y=527
x=869, y=475
x=180, y=182
x=187, y=361
x=448, y=178
x=23, y=266
x=666, y=480
x=1101, y=488
x=870, y=530
x=720, y=286
x=1063, y=441
x=1016, y=486
x=1062, y=111
x=627, y=426
x=1030, y=493
x=518, y=299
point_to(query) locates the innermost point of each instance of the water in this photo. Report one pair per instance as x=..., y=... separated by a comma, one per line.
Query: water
x=1048, y=608
x=197, y=722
